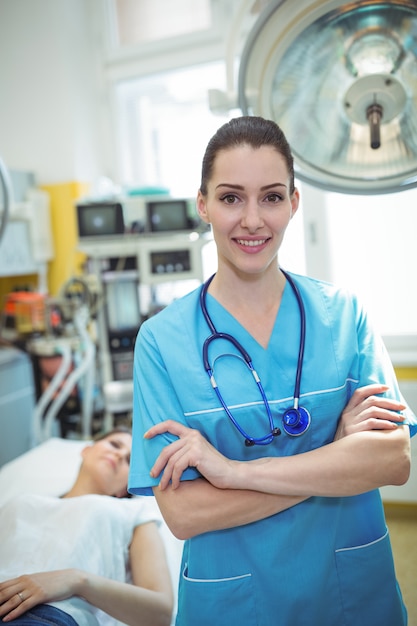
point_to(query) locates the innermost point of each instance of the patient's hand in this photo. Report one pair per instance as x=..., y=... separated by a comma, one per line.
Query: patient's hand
x=18, y=595
x=367, y=410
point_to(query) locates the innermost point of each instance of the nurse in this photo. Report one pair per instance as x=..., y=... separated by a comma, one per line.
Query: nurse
x=266, y=417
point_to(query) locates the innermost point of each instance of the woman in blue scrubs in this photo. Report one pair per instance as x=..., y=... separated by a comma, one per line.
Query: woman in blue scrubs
x=281, y=512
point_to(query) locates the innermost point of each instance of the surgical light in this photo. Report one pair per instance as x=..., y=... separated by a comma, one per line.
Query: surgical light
x=340, y=78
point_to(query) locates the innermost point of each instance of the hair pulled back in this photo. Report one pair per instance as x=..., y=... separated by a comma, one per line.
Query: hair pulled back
x=248, y=130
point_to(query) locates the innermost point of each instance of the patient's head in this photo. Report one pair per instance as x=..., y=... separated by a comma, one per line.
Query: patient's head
x=105, y=464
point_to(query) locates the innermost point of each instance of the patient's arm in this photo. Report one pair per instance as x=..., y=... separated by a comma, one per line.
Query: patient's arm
x=148, y=601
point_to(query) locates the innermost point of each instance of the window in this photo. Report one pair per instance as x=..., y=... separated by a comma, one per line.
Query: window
x=164, y=126
x=139, y=21
x=367, y=244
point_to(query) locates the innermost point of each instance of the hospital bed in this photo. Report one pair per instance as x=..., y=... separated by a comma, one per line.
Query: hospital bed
x=50, y=469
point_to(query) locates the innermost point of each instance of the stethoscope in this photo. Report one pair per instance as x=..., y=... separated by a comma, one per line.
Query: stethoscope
x=295, y=420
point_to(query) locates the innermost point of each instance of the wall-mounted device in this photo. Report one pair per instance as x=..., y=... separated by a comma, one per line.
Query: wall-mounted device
x=136, y=215
x=168, y=216
x=144, y=251
x=98, y=219
x=170, y=257
x=123, y=318
x=27, y=244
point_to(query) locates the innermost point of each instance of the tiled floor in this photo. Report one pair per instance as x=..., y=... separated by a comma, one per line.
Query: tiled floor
x=402, y=524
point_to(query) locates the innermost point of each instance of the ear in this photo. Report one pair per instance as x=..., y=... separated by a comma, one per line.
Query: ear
x=202, y=207
x=295, y=202
x=85, y=451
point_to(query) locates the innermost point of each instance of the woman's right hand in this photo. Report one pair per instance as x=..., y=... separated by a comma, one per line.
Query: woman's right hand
x=368, y=410
x=191, y=449
x=18, y=595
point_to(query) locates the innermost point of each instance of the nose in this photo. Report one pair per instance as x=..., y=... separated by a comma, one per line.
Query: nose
x=251, y=216
x=124, y=455
x=121, y=455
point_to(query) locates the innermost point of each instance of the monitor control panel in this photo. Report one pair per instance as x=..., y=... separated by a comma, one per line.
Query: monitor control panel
x=170, y=261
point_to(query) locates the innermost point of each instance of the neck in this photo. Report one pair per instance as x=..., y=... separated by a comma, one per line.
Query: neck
x=254, y=303
x=81, y=487
x=254, y=292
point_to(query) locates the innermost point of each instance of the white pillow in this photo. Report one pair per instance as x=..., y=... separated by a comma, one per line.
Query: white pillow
x=49, y=469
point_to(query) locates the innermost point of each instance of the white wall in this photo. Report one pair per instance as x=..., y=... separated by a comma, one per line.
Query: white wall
x=408, y=492
x=52, y=105
x=56, y=67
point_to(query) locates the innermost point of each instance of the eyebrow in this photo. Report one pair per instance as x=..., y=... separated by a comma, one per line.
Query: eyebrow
x=119, y=440
x=240, y=187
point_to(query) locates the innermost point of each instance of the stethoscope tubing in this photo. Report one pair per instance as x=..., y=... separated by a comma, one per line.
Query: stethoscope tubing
x=292, y=417
x=301, y=349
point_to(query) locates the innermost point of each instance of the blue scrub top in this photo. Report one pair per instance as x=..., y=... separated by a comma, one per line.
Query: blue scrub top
x=325, y=561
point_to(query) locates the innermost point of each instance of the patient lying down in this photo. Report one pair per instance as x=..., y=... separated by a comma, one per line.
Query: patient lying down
x=86, y=556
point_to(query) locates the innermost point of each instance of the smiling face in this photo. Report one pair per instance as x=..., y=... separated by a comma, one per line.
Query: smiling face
x=107, y=462
x=249, y=206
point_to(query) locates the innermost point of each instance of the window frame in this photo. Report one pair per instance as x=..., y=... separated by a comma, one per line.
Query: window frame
x=134, y=61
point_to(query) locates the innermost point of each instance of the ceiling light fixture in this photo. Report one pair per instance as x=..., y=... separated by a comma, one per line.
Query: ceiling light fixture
x=340, y=78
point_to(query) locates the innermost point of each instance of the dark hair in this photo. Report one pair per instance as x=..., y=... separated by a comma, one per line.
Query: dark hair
x=109, y=433
x=246, y=130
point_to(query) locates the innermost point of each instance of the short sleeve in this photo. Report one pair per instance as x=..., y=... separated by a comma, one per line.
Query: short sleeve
x=375, y=365
x=154, y=400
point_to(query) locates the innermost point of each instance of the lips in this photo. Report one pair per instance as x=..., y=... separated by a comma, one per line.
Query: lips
x=111, y=461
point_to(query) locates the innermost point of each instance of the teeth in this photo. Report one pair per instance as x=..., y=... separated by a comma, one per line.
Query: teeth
x=245, y=242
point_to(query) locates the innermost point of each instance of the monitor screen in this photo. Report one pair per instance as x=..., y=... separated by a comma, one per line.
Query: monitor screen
x=100, y=219
x=122, y=300
x=167, y=215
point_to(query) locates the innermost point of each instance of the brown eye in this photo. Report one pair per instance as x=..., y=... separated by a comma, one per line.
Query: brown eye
x=273, y=197
x=229, y=199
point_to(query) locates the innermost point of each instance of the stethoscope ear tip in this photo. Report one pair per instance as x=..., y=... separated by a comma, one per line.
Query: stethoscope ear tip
x=249, y=442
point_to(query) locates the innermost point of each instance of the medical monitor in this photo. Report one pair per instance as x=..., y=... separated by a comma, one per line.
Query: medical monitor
x=99, y=219
x=167, y=216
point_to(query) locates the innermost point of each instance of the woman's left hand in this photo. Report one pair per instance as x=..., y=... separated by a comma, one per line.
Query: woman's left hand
x=191, y=449
x=21, y=594
x=369, y=410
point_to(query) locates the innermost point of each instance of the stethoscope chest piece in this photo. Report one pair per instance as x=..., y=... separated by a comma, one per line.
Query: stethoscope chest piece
x=296, y=421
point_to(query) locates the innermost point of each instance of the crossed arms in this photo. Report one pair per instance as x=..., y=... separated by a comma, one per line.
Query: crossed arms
x=370, y=449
